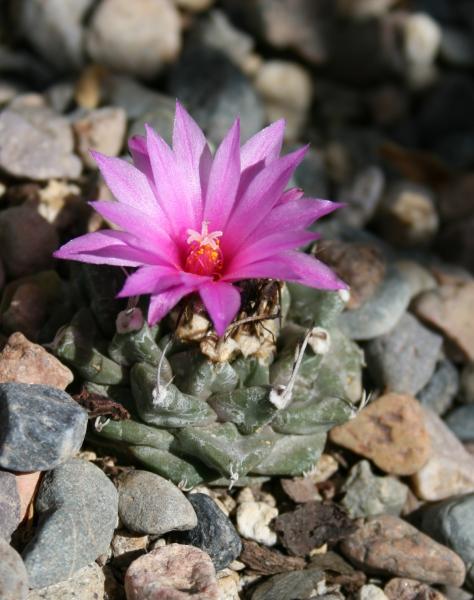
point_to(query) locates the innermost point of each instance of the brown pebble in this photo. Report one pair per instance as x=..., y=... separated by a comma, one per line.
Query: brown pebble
x=388, y=545
x=21, y=361
x=311, y=525
x=391, y=432
x=264, y=561
x=409, y=589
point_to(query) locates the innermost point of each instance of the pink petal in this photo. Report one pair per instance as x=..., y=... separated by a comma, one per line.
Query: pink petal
x=139, y=224
x=192, y=154
x=162, y=303
x=223, y=180
x=290, y=266
x=139, y=152
x=291, y=194
x=263, y=146
x=222, y=301
x=270, y=245
x=259, y=198
x=128, y=184
x=90, y=247
x=145, y=279
x=292, y=215
x=174, y=192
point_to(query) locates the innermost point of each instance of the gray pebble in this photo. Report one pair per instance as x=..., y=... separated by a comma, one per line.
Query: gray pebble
x=217, y=99
x=367, y=495
x=440, y=391
x=150, y=504
x=13, y=576
x=40, y=427
x=37, y=144
x=381, y=312
x=296, y=584
x=461, y=422
x=451, y=523
x=77, y=505
x=403, y=360
x=53, y=28
x=9, y=505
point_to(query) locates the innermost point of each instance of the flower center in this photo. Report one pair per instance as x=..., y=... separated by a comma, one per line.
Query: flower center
x=204, y=254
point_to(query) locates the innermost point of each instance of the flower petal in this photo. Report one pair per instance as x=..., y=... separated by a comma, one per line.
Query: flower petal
x=145, y=279
x=290, y=266
x=139, y=224
x=223, y=180
x=272, y=244
x=105, y=248
x=173, y=191
x=259, y=198
x=263, y=146
x=128, y=184
x=222, y=301
x=162, y=303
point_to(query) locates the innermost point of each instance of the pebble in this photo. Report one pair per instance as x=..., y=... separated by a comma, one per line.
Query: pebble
x=422, y=38
x=363, y=9
x=367, y=495
x=409, y=589
x=150, y=504
x=21, y=361
x=440, y=391
x=40, y=427
x=27, y=240
x=456, y=244
x=457, y=48
x=450, y=468
x=311, y=174
x=371, y=592
x=362, y=196
x=391, y=432
x=126, y=547
x=9, y=505
x=77, y=506
x=13, y=576
x=139, y=41
x=216, y=31
x=451, y=522
x=26, y=308
x=215, y=100
x=160, y=116
x=55, y=31
x=407, y=215
x=419, y=278
x=287, y=90
x=404, y=359
x=253, y=519
x=312, y=525
x=214, y=532
x=380, y=313
x=456, y=198
x=174, y=571
x=37, y=144
x=461, y=422
x=194, y=5
x=102, y=130
x=297, y=584
x=449, y=309
x=27, y=485
x=229, y=586
x=360, y=265
x=467, y=384
x=296, y=25
x=388, y=545
x=89, y=583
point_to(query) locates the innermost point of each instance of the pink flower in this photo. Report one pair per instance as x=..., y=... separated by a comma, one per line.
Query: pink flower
x=193, y=222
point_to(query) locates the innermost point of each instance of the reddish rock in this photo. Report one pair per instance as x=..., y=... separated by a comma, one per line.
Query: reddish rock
x=21, y=361
x=173, y=572
x=388, y=545
x=449, y=309
x=361, y=266
x=391, y=432
x=409, y=589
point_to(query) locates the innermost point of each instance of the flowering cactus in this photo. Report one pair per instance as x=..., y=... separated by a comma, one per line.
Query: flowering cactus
x=211, y=394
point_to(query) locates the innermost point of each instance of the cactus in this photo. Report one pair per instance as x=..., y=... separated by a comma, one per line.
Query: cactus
x=214, y=410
